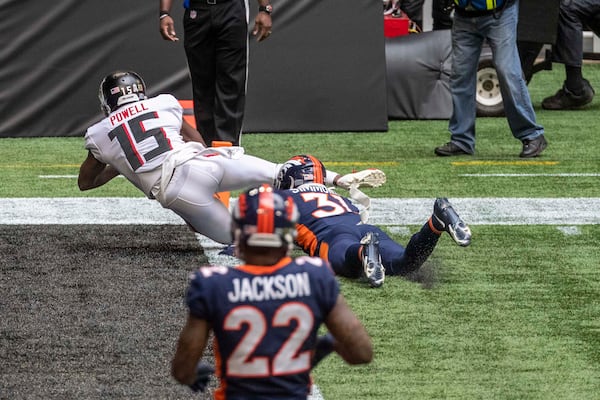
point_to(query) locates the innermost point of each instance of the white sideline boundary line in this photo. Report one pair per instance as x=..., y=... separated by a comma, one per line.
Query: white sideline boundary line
x=563, y=175
x=384, y=211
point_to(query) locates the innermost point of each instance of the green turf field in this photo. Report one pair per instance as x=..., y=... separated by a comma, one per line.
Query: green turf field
x=405, y=153
x=514, y=316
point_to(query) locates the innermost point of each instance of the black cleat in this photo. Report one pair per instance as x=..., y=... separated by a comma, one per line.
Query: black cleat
x=372, y=266
x=446, y=219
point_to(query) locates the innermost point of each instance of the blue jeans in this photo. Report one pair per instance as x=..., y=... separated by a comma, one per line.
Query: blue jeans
x=468, y=35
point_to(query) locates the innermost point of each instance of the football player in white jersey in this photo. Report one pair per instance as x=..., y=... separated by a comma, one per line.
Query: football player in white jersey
x=148, y=142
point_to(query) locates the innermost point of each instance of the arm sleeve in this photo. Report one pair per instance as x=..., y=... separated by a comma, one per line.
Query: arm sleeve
x=197, y=296
x=329, y=287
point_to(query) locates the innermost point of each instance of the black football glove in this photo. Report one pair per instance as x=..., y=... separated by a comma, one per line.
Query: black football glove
x=323, y=348
x=203, y=374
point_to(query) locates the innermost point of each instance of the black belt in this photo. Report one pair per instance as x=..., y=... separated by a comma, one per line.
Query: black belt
x=196, y=3
x=473, y=13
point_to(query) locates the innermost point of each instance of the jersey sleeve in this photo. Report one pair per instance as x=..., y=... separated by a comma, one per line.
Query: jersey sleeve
x=327, y=285
x=90, y=143
x=197, y=296
x=169, y=101
x=332, y=288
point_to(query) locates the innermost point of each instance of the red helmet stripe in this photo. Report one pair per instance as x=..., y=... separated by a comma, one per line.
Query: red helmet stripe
x=317, y=170
x=289, y=208
x=265, y=215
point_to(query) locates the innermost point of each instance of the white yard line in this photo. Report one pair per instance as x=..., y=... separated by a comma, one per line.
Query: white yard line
x=384, y=211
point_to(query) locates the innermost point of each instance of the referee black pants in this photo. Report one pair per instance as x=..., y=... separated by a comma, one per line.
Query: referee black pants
x=216, y=43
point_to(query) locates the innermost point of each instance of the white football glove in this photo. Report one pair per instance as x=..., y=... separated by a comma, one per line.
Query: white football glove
x=364, y=178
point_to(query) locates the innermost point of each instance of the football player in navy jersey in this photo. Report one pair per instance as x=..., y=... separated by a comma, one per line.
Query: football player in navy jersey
x=265, y=313
x=330, y=227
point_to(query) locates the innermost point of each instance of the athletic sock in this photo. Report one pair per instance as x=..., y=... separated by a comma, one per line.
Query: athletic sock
x=574, y=81
x=419, y=248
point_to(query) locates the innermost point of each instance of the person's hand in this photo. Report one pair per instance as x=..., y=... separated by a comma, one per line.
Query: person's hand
x=323, y=348
x=203, y=374
x=167, y=29
x=262, y=26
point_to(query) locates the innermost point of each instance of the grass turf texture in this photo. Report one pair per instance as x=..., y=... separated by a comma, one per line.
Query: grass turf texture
x=505, y=320
x=512, y=316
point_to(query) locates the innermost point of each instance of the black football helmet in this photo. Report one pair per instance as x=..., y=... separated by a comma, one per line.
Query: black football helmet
x=265, y=217
x=299, y=170
x=120, y=87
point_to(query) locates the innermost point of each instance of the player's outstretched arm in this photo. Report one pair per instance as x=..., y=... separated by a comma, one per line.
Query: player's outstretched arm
x=351, y=340
x=185, y=366
x=94, y=173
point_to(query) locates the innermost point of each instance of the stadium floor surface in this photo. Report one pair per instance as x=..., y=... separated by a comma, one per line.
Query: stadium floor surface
x=92, y=312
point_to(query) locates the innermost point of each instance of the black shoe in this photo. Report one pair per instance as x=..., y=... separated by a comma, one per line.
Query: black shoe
x=450, y=149
x=228, y=250
x=446, y=219
x=564, y=99
x=533, y=147
x=372, y=266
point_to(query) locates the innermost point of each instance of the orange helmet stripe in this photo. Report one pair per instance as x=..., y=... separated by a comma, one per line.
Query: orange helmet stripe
x=265, y=213
x=317, y=170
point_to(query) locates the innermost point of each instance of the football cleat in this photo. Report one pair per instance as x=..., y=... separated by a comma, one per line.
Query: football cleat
x=228, y=250
x=371, y=259
x=368, y=177
x=445, y=218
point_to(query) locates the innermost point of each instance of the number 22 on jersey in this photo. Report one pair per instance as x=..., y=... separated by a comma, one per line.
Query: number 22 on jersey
x=287, y=359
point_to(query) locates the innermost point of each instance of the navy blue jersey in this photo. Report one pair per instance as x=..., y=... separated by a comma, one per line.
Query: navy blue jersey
x=321, y=211
x=265, y=321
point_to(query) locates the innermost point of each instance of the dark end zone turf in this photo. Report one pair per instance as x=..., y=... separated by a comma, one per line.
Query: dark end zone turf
x=94, y=311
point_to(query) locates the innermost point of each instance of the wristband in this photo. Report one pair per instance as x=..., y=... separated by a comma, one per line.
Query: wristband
x=162, y=14
x=266, y=9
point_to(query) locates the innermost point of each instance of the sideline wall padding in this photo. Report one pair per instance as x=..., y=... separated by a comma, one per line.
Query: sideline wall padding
x=53, y=57
x=323, y=68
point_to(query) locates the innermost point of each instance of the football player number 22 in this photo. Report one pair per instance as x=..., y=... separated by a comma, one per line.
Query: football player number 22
x=288, y=359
